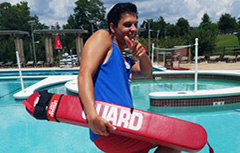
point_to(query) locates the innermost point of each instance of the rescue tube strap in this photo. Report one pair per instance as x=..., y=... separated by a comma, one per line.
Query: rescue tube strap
x=210, y=148
x=40, y=111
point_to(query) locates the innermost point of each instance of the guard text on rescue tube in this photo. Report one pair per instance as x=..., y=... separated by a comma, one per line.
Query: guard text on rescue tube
x=119, y=117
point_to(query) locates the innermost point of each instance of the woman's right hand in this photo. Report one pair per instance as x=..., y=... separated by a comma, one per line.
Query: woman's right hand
x=99, y=125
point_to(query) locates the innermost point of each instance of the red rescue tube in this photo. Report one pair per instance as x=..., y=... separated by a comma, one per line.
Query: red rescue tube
x=154, y=128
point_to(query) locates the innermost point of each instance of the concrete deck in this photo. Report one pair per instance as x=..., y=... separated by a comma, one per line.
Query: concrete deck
x=51, y=80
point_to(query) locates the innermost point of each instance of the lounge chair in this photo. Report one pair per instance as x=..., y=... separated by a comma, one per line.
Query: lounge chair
x=16, y=64
x=238, y=58
x=200, y=59
x=1, y=64
x=49, y=64
x=8, y=64
x=29, y=63
x=184, y=59
x=230, y=58
x=213, y=59
x=40, y=63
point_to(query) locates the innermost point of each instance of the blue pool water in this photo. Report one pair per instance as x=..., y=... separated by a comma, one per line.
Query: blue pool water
x=19, y=132
x=12, y=73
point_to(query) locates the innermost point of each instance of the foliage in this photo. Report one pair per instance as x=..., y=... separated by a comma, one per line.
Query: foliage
x=210, y=28
x=172, y=30
x=183, y=26
x=6, y=45
x=227, y=23
x=16, y=17
x=160, y=25
x=85, y=12
x=206, y=18
x=92, y=12
x=238, y=35
x=206, y=41
x=238, y=30
x=147, y=25
x=207, y=36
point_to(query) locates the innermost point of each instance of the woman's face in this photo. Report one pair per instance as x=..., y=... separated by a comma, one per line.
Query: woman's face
x=127, y=26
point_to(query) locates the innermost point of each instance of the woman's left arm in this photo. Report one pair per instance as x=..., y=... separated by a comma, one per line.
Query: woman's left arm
x=143, y=67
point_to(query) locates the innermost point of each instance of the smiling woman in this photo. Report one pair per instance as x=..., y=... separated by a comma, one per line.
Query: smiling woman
x=104, y=77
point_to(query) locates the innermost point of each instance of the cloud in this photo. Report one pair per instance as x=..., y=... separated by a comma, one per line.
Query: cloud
x=52, y=11
x=49, y=11
x=235, y=9
x=64, y=8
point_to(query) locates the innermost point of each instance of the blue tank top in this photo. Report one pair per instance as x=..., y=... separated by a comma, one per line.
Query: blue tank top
x=111, y=82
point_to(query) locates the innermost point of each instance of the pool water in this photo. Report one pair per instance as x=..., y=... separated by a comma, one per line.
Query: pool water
x=12, y=73
x=19, y=132
x=141, y=88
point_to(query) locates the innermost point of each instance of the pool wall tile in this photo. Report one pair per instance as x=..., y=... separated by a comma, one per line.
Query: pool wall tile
x=181, y=102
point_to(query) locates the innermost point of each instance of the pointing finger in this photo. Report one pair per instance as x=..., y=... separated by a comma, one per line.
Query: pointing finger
x=129, y=42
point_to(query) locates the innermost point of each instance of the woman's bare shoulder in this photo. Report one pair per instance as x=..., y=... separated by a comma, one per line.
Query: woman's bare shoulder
x=103, y=35
x=102, y=31
x=100, y=38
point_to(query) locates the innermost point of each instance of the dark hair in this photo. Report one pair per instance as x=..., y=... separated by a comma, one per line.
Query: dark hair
x=115, y=14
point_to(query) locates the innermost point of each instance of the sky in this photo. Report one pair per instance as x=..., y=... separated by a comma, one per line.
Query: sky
x=53, y=11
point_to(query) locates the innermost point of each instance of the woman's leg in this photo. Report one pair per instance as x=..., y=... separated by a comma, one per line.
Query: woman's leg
x=161, y=149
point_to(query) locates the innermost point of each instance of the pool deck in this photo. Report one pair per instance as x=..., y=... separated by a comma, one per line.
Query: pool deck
x=49, y=81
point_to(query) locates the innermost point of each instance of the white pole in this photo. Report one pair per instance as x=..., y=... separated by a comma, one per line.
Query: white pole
x=149, y=36
x=164, y=59
x=59, y=58
x=152, y=53
x=196, y=64
x=20, y=71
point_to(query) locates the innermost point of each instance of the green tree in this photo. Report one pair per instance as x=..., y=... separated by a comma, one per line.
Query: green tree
x=16, y=17
x=172, y=30
x=85, y=12
x=207, y=26
x=205, y=18
x=238, y=29
x=147, y=23
x=56, y=26
x=207, y=35
x=162, y=26
x=183, y=26
x=206, y=42
x=227, y=23
x=238, y=22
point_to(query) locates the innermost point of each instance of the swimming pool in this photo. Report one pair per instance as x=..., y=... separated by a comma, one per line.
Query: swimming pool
x=39, y=72
x=19, y=132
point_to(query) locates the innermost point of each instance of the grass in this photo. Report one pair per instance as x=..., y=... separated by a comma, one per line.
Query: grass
x=223, y=41
x=227, y=40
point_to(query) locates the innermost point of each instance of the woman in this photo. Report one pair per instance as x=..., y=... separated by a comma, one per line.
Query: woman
x=105, y=75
